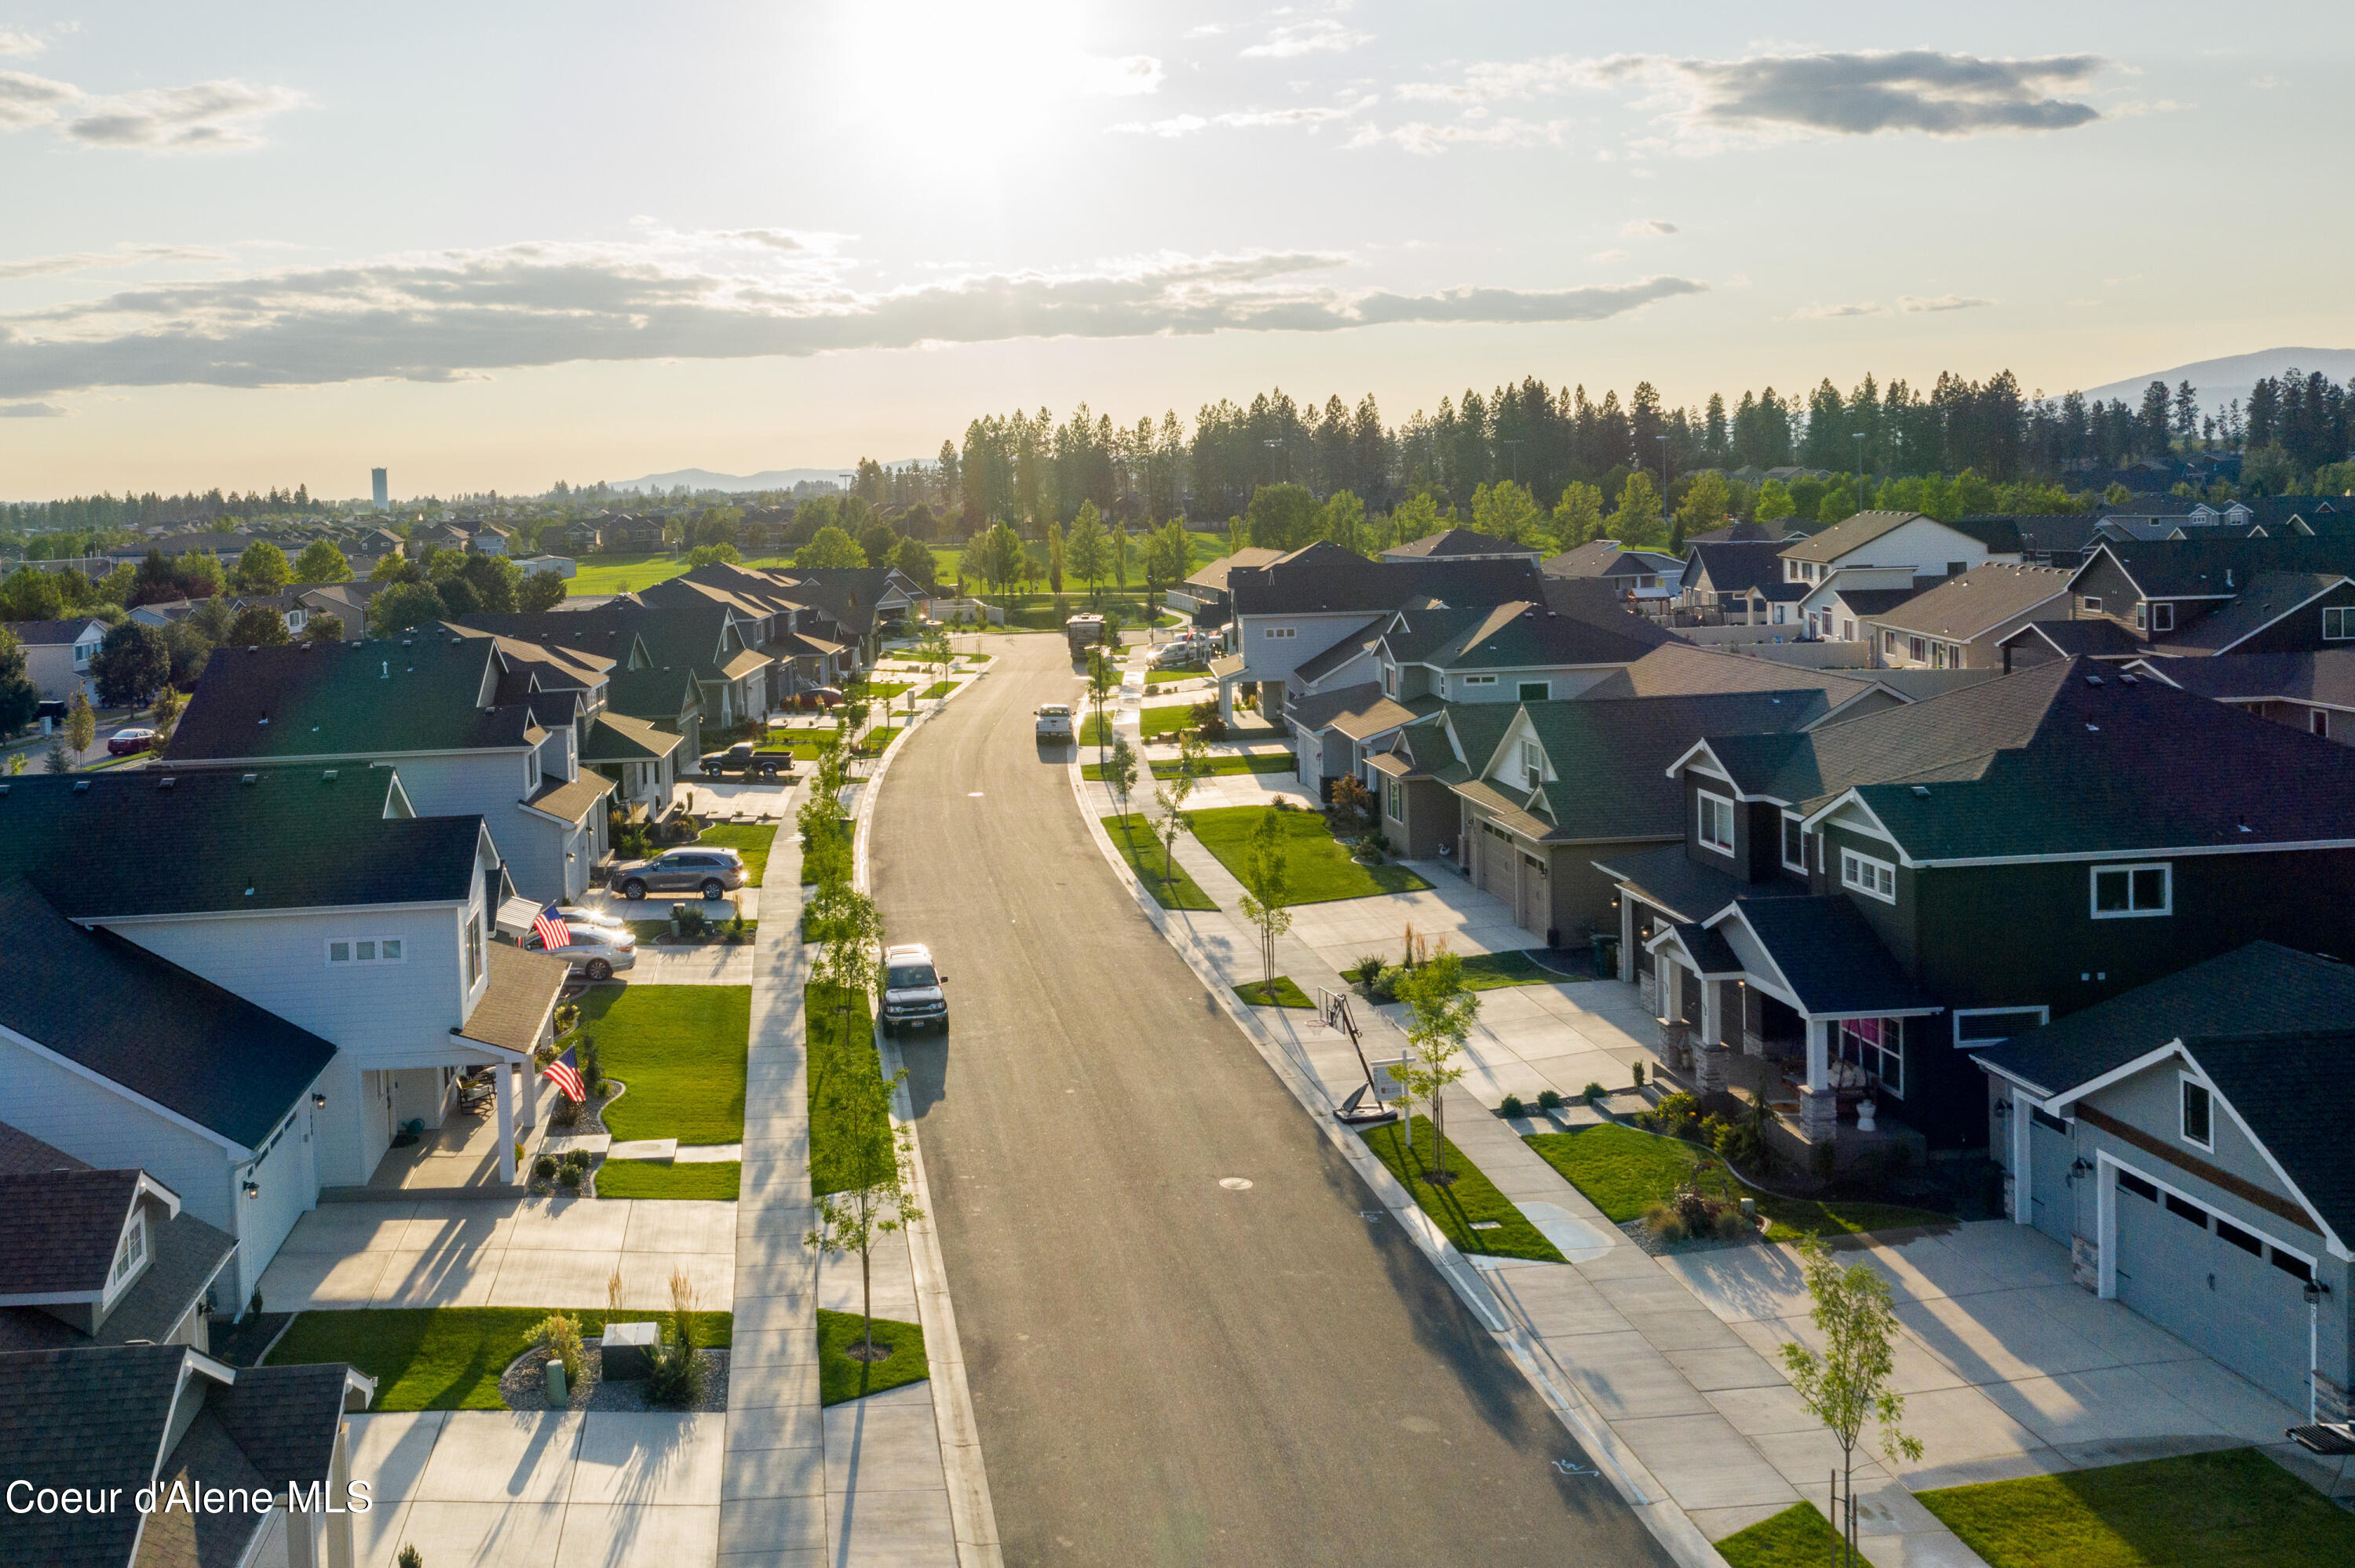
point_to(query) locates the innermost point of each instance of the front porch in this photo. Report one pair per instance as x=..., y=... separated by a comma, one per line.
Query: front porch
x=463, y=1152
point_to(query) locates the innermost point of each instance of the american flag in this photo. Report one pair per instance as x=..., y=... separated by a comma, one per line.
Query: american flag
x=553, y=932
x=565, y=1073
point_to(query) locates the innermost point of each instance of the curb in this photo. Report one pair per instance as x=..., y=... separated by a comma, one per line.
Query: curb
x=1669, y=1524
x=971, y=1515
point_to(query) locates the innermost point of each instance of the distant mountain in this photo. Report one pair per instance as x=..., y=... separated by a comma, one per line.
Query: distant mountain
x=2219, y=381
x=770, y=479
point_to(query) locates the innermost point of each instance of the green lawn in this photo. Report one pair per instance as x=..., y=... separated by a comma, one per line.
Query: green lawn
x=2234, y=1509
x=840, y=1042
x=803, y=744
x=681, y=1050
x=1094, y=730
x=1134, y=838
x=1470, y=1196
x=1157, y=724
x=718, y=1179
x=936, y=691
x=1287, y=994
x=1227, y=766
x=872, y=743
x=627, y=569
x=445, y=1357
x=1162, y=677
x=840, y=1378
x=750, y=840
x=878, y=692
x=1321, y=868
x=1798, y=1537
x=1625, y=1171
x=648, y=931
x=1488, y=971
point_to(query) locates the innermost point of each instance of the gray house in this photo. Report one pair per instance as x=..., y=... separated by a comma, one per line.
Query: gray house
x=58, y=655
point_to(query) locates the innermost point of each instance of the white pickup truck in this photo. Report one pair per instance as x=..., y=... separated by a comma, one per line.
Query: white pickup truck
x=1055, y=721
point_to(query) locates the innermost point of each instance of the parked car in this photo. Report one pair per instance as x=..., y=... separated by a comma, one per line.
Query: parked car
x=1055, y=721
x=692, y=868
x=595, y=951
x=911, y=990
x=124, y=742
x=743, y=758
x=1180, y=656
x=816, y=697
x=582, y=915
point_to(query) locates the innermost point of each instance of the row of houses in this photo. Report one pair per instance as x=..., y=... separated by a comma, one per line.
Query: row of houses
x=2084, y=913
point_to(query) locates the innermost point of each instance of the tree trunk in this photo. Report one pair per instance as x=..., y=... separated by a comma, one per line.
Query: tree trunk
x=867, y=1291
x=1845, y=1525
x=1438, y=1137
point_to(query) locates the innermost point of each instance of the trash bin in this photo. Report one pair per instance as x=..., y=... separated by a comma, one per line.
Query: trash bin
x=1606, y=958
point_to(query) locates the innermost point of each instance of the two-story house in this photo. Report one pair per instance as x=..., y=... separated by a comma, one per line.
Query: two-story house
x=1890, y=549
x=311, y=970
x=2197, y=598
x=1960, y=623
x=1739, y=582
x=2312, y=692
x=58, y=655
x=455, y=713
x=1645, y=576
x=1461, y=544
x=1883, y=892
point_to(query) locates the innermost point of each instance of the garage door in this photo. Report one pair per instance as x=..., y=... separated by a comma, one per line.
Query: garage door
x=2051, y=1206
x=1536, y=903
x=2224, y=1288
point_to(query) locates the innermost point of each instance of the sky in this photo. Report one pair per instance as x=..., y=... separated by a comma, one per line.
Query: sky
x=491, y=247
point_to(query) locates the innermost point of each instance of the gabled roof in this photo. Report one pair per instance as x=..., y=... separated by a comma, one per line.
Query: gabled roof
x=618, y=737
x=378, y=697
x=1668, y=878
x=1866, y=601
x=2325, y=677
x=2203, y=566
x=115, y=1009
x=1606, y=558
x=1679, y=669
x=1747, y=531
x=1478, y=728
x=1518, y=635
x=2099, y=638
x=1357, y=711
x=2048, y=531
x=1352, y=645
x=1323, y=579
x=513, y=1009
x=54, y=633
x=1740, y=566
x=1826, y=953
x=1450, y=542
x=1965, y=608
x=1214, y=576
x=1851, y=533
x=59, y=1230
x=2268, y=597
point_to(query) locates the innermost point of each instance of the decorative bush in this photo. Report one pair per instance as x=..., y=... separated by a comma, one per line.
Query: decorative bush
x=560, y=1336
x=689, y=919
x=1366, y=969
x=1512, y=1105
x=545, y=1166
x=1549, y=1099
x=1639, y=1073
x=1592, y=1092
x=674, y=1371
x=1206, y=721
x=1386, y=983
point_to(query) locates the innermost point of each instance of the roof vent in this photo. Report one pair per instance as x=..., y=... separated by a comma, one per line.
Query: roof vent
x=328, y=777
x=1922, y=791
x=166, y=782
x=81, y=787
x=249, y=778
x=2092, y=679
x=2126, y=680
x=386, y=673
x=2246, y=829
x=2092, y=729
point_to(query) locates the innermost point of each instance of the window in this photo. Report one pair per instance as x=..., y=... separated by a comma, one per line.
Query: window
x=2090, y=603
x=1873, y=878
x=1986, y=1026
x=1917, y=650
x=1479, y=680
x=2130, y=1183
x=2047, y=1120
x=1717, y=823
x=1795, y=843
x=1393, y=801
x=130, y=1253
x=1277, y=631
x=474, y=953
x=1878, y=1045
x=2318, y=721
x=2198, y=1115
x=1937, y=656
x=2227, y=1231
x=1956, y=568
x=1536, y=691
x=1389, y=680
x=2338, y=624
x=1532, y=763
x=2185, y=1209
x=2142, y=617
x=365, y=950
x=2162, y=617
x=2123, y=891
x=1888, y=644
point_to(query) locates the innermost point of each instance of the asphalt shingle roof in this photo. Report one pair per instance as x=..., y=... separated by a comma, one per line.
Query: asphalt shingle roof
x=1610, y=757
x=52, y=634
x=2266, y=598
x=2326, y=677
x=363, y=699
x=1450, y=542
x=1669, y=878
x=1325, y=578
x=93, y=1417
x=59, y=1229
x=1517, y=635
x=1851, y=534
x=1831, y=955
x=1968, y=607
x=2199, y=566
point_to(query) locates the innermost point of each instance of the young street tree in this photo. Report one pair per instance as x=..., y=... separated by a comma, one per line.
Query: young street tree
x=1847, y=1383
x=1120, y=772
x=1440, y=1013
x=1104, y=683
x=874, y=1156
x=1169, y=801
x=81, y=725
x=852, y=929
x=1267, y=888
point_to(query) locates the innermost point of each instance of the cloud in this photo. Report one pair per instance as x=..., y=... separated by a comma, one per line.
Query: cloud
x=2135, y=110
x=456, y=314
x=1130, y=76
x=1323, y=35
x=1646, y=227
x=12, y=43
x=1312, y=116
x=1608, y=255
x=1834, y=312
x=1915, y=305
x=121, y=256
x=205, y=117
x=1421, y=136
x=28, y=99
x=31, y=411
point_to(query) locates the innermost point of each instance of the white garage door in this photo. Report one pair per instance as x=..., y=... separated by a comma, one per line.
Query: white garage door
x=2227, y=1290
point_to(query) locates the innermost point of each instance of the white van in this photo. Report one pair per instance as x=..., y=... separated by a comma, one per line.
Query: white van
x=1055, y=721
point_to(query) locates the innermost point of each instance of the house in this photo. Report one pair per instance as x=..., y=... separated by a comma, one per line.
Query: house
x=582, y=537
x=358, y=932
x=2159, y=518
x=453, y=713
x=226, y=545
x=380, y=542
x=2312, y=692
x=1732, y=582
x=1883, y=891
x=1959, y=624
x=490, y=539
x=243, y=1466
x=1639, y=574
x=101, y=1257
x=1204, y=596
x=629, y=531
x=58, y=655
x=1841, y=607
x=1461, y=544
x=2046, y=539
x=1749, y=531
x=638, y=685
x=1901, y=546
x=441, y=536
x=2040, y=640
x=2187, y=1141
x=347, y=602
x=564, y=566
x=2263, y=595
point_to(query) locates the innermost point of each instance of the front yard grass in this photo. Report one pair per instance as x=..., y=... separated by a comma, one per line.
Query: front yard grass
x=803, y=744
x=1157, y=724
x=749, y=839
x=1488, y=971
x=877, y=690
x=841, y=1041
x=1133, y=836
x=445, y=1358
x=937, y=690
x=1469, y=1197
x=1096, y=729
x=1230, y=765
x=681, y=1050
x=1624, y=1171
x=1162, y=677
x=1798, y=1537
x=840, y=1377
x=872, y=743
x=2234, y=1509
x=1286, y=993
x=714, y=1178
x=1322, y=870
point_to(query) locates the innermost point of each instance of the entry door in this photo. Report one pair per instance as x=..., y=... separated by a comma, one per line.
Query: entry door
x=1536, y=902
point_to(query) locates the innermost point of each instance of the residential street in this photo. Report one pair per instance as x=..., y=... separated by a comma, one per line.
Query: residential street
x=1165, y=1369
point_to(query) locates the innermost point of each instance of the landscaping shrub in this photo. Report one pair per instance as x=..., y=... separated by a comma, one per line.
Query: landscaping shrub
x=690, y=921
x=1640, y=1074
x=560, y=1336
x=1549, y=1099
x=1204, y=717
x=1512, y=1105
x=592, y=1070
x=1736, y=1142
x=545, y=1166
x=1677, y=1115
x=675, y=1372
x=573, y=1169
x=1366, y=969
x=1385, y=983
x=1592, y=1092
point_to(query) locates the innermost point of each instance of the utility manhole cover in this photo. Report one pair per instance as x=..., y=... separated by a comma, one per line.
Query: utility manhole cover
x=1236, y=1183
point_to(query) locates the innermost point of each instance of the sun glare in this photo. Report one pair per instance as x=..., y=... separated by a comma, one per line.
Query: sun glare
x=962, y=81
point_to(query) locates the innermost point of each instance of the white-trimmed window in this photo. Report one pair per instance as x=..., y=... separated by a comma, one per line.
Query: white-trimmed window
x=1394, y=799
x=1536, y=691
x=1389, y=680
x=1716, y=822
x=474, y=955
x=1917, y=650
x=1276, y=630
x=2337, y=623
x=2199, y=1114
x=366, y=950
x=1888, y=644
x=1479, y=681
x=130, y=1253
x=1873, y=878
x=2162, y=617
x=1977, y=1026
x=2318, y=721
x=2090, y=603
x=1532, y=763
x=1878, y=1045
x=1794, y=842
x=2129, y=891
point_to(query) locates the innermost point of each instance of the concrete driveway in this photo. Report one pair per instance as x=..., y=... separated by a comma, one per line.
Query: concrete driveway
x=523, y=1252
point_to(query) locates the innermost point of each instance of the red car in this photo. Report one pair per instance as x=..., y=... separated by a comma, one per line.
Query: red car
x=818, y=697
x=123, y=742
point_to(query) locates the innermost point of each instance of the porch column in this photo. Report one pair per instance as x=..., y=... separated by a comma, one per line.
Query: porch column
x=1626, y=939
x=1819, y=1102
x=527, y=1102
x=1709, y=1055
x=2023, y=1180
x=507, y=1125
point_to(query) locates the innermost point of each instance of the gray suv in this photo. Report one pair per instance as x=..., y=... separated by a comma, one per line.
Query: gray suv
x=913, y=998
x=693, y=868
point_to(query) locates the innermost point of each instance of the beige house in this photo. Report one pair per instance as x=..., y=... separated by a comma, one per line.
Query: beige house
x=1961, y=624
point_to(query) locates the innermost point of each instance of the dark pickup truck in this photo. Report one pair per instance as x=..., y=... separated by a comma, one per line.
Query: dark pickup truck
x=742, y=758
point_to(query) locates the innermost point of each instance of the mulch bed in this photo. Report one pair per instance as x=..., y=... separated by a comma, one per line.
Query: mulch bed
x=523, y=1385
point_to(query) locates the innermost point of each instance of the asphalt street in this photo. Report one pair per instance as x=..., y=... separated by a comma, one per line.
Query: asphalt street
x=1165, y=1369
